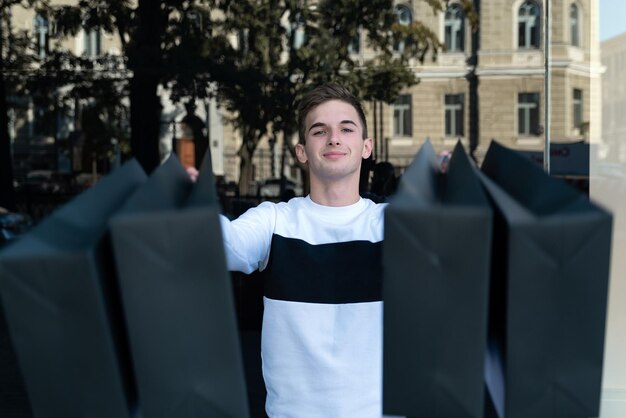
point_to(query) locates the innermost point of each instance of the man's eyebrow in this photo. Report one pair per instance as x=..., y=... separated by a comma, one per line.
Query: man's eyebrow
x=343, y=122
x=316, y=125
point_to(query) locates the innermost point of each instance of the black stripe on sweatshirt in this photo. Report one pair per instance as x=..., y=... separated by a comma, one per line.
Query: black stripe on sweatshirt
x=344, y=272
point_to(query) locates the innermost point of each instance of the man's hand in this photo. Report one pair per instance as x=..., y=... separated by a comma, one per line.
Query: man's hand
x=193, y=173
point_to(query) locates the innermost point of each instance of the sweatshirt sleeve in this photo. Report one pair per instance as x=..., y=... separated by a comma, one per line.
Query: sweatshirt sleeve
x=247, y=239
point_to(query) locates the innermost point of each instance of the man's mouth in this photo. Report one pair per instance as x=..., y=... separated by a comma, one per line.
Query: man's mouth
x=333, y=155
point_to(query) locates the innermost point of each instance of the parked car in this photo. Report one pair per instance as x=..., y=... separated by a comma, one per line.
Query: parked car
x=12, y=225
x=271, y=187
x=44, y=181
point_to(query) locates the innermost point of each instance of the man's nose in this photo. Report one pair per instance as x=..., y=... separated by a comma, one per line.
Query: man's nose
x=334, y=137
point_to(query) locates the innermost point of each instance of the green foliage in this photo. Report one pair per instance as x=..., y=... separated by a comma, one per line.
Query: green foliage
x=285, y=46
x=279, y=48
x=114, y=16
x=13, y=61
x=16, y=52
x=256, y=56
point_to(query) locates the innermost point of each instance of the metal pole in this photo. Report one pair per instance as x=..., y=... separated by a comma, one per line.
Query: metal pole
x=381, y=129
x=546, y=96
x=375, y=135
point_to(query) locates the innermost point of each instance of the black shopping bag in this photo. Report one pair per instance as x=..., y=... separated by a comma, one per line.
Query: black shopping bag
x=61, y=301
x=178, y=299
x=435, y=290
x=549, y=291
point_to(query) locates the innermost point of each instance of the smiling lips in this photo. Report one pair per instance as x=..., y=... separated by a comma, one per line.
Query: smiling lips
x=333, y=155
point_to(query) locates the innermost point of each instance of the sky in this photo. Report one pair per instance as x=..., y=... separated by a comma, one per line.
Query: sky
x=612, y=18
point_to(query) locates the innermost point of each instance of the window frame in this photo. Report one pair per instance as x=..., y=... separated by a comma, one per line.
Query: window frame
x=402, y=116
x=526, y=111
x=453, y=15
x=41, y=29
x=242, y=40
x=296, y=31
x=574, y=25
x=577, y=108
x=92, y=39
x=399, y=45
x=354, y=47
x=454, y=115
x=531, y=25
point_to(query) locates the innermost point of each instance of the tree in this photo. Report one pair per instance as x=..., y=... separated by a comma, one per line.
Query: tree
x=92, y=89
x=140, y=32
x=145, y=58
x=15, y=57
x=149, y=34
x=284, y=46
x=102, y=81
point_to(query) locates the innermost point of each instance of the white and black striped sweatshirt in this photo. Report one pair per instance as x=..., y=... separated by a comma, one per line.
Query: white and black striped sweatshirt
x=322, y=324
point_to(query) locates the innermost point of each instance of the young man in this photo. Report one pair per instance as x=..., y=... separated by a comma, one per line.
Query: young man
x=322, y=323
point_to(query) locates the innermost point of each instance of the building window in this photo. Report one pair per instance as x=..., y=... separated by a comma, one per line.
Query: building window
x=454, y=29
x=528, y=114
x=402, y=119
x=92, y=43
x=355, y=45
x=297, y=31
x=453, y=108
x=574, y=25
x=405, y=18
x=577, y=108
x=242, y=40
x=42, y=35
x=193, y=21
x=43, y=120
x=528, y=25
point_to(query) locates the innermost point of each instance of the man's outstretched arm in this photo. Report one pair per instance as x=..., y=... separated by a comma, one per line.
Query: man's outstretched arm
x=247, y=239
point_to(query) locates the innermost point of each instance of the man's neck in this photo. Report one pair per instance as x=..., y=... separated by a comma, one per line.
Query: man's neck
x=335, y=194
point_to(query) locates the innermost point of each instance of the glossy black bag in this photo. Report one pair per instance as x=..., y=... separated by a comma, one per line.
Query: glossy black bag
x=436, y=252
x=549, y=292
x=178, y=298
x=61, y=301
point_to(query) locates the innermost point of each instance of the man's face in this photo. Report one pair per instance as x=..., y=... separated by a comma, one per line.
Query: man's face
x=334, y=141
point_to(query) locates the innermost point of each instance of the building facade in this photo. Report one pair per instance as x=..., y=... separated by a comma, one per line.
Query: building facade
x=488, y=83
x=34, y=127
x=506, y=97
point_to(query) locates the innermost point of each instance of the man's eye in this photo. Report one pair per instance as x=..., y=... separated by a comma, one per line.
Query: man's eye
x=347, y=130
x=317, y=133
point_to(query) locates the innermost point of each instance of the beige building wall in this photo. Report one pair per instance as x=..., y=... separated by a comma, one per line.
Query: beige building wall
x=24, y=19
x=22, y=117
x=504, y=70
x=498, y=109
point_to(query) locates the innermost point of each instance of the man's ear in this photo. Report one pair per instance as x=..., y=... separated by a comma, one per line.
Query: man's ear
x=367, y=148
x=301, y=153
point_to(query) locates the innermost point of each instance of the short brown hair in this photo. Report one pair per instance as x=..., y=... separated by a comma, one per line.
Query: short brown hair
x=322, y=94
